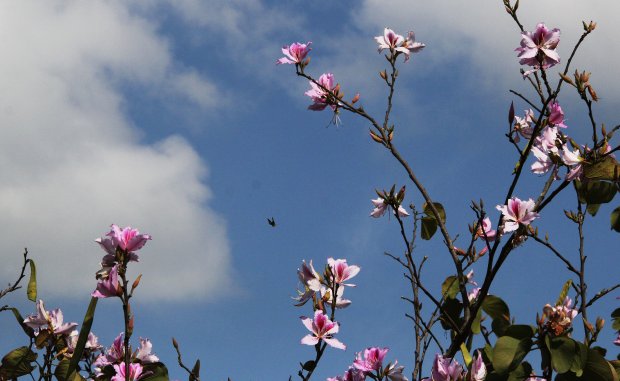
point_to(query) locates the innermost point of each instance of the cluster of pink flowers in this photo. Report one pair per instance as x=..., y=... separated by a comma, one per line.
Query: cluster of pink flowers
x=114, y=358
x=398, y=44
x=381, y=206
x=559, y=318
x=448, y=369
x=517, y=213
x=538, y=48
x=326, y=291
x=370, y=364
x=120, y=245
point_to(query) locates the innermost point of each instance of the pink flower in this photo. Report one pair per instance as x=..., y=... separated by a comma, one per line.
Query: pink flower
x=478, y=369
x=52, y=320
x=543, y=161
x=319, y=96
x=617, y=341
x=381, y=206
x=397, y=44
x=395, y=372
x=574, y=161
x=144, y=352
x=295, y=53
x=486, y=230
x=473, y=294
x=322, y=329
x=342, y=271
x=523, y=125
x=539, y=46
x=560, y=317
x=352, y=374
x=340, y=301
x=556, y=115
x=309, y=277
x=92, y=343
x=109, y=286
x=517, y=212
x=126, y=239
x=135, y=371
x=446, y=369
x=372, y=360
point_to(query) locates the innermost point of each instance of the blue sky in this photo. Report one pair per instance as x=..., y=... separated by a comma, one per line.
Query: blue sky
x=171, y=116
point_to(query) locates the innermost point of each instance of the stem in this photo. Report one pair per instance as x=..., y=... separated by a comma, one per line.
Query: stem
x=583, y=287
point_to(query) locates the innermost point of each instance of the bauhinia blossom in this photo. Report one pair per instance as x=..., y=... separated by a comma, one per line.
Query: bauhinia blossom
x=478, y=370
x=109, y=286
x=517, y=213
x=372, y=359
x=485, y=230
x=445, y=369
x=538, y=48
x=144, y=352
x=294, y=53
x=394, y=372
x=341, y=271
x=523, y=125
x=92, y=343
x=322, y=329
x=135, y=372
x=560, y=317
x=381, y=207
x=309, y=277
x=126, y=239
x=326, y=295
x=352, y=374
x=320, y=97
x=51, y=320
x=573, y=160
x=556, y=115
x=397, y=44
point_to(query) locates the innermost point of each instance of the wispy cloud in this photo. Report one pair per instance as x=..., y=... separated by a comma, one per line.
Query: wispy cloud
x=71, y=162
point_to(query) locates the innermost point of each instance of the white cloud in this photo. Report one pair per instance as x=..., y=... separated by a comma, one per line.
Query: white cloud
x=71, y=162
x=485, y=34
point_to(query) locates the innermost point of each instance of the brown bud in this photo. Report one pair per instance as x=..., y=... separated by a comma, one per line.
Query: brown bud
x=391, y=136
x=136, y=282
x=383, y=75
x=375, y=137
x=175, y=344
x=355, y=98
x=567, y=79
x=508, y=10
x=592, y=93
x=599, y=323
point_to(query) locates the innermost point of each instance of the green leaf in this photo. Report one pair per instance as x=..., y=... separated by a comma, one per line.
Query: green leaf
x=598, y=369
x=604, y=169
x=61, y=372
x=466, y=355
x=429, y=227
x=596, y=192
x=496, y=308
x=475, y=325
x=564, y=292
x=509, y=352
x=615, y=219
x=520, y=331
x=451, y=308
x=616, y=316
x=563, y=351
x=592, y=209
x=450, y=287
x=429, y=212
x=158, y=370
x=32, y=283
x=16, y=363
x=83, y=337
x=521, y=372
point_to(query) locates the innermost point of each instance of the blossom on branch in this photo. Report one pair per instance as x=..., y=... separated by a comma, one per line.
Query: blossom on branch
x=560, y=317
x=517, y=212
x=381, y=207
x=538, y=48
x=109, y=286
x=51, y=320
x=556, y=115
x=320, y=95
x=397, y=44
x=372, y=359
x=478, y=370
x=126, y=239
x=322, y=329
x=445, y=369
x=294, y=53
x=341, y=271
x=135, y=372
